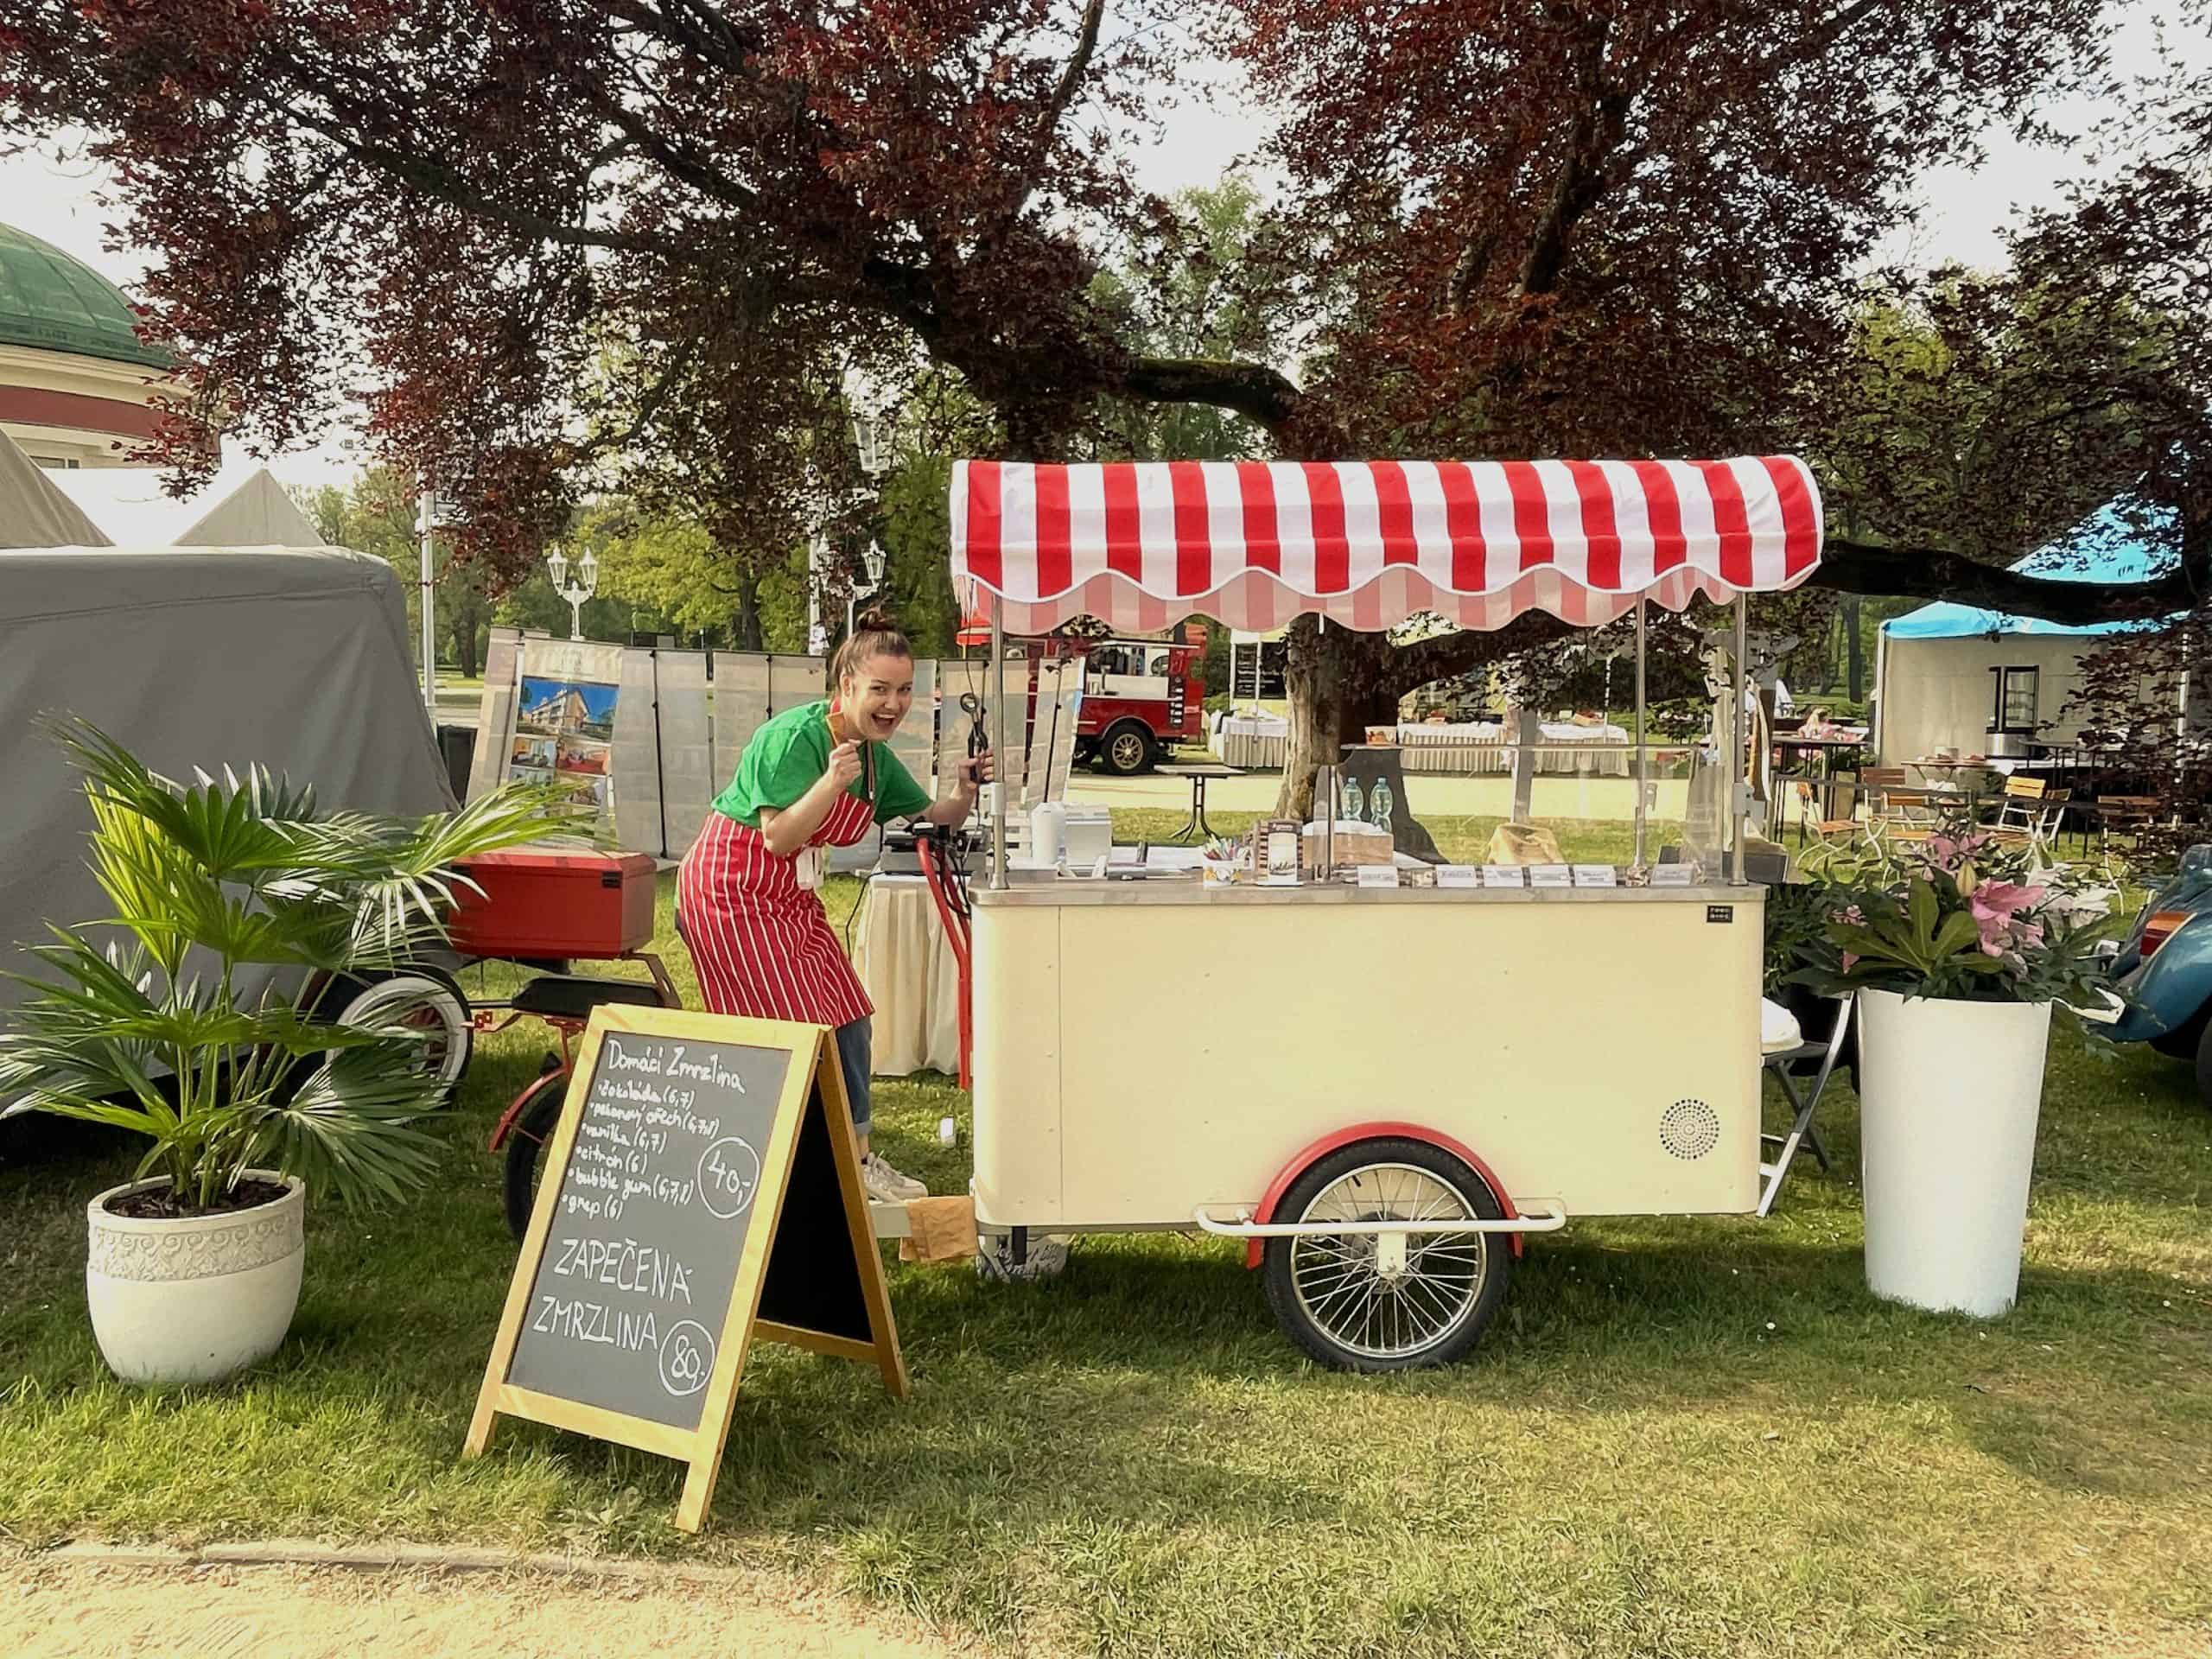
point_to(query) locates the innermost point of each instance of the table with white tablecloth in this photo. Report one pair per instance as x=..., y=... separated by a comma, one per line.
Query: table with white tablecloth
x=1564, y=748
x=1258, y=743
x=907, y=967
x=1255, y=742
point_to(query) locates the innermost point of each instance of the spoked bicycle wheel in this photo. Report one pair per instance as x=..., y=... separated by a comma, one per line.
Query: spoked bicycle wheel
x=1387, y=1301
x=526, y=1142
x=420, y=1000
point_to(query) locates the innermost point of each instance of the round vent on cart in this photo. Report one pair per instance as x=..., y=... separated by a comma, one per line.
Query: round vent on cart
x=1689, y=1129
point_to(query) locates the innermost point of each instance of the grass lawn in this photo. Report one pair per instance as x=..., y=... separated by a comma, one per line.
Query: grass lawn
x=1682, y=1436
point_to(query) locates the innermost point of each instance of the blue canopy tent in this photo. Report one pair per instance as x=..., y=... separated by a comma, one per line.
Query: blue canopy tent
x=1977, y=682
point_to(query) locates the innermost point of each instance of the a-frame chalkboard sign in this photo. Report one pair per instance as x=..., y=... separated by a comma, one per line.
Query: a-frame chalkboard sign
x=702, y=1189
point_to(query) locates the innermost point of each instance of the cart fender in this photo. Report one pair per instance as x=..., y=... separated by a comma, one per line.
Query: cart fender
x=1342, y=1138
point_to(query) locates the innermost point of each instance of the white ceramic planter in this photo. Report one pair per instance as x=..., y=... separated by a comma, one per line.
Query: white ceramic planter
x=193, y=1300
x=1949, y=1094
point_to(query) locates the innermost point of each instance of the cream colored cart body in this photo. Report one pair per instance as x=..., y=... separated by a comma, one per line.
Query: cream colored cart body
x=1380, y=1090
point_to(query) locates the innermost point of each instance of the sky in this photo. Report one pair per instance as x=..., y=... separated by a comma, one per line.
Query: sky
x=1207, y=129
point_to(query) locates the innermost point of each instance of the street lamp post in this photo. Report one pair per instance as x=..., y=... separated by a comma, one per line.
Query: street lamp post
x=426, y=523
x=586, y=584
x=873, y=561
x=872, y=439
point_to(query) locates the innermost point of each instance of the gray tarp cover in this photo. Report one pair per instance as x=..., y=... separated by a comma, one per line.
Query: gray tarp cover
x=295, y=659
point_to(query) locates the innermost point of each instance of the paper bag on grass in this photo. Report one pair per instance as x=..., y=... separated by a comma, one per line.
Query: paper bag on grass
x=1522, y=843
x=939, y=1230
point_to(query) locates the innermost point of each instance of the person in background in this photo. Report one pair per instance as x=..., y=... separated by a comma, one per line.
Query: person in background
x=749, y=891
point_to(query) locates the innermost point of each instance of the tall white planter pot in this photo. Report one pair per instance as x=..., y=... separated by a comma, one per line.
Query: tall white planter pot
x=1949, y=1094
x=195, y=1299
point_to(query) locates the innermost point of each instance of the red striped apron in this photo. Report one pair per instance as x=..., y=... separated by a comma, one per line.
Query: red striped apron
x=760, y=942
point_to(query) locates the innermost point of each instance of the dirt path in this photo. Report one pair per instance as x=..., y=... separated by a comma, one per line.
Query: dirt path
x=285, y=1612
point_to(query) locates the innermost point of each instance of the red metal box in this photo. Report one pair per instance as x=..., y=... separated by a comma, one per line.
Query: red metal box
x=554, y=904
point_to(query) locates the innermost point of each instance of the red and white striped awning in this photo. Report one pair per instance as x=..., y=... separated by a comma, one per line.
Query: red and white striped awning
x=1143, y=544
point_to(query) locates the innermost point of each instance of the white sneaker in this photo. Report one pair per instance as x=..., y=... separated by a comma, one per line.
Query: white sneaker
x=886, y=1185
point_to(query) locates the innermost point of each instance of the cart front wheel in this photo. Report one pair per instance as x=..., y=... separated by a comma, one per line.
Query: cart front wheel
x=1387, y=1301
x=526, y=1142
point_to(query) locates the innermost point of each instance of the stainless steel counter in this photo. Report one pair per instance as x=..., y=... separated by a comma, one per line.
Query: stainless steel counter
x=1039, y=890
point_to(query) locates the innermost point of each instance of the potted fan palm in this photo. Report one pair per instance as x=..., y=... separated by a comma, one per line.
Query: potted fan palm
x=1958, y=950
x=196, y=1025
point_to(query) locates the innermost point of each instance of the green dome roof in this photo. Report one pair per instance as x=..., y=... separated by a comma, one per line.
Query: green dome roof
x=51, y=302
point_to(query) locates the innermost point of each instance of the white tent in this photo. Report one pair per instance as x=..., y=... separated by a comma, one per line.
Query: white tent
x=1981, y=683
x=33, y=512
x=243, y=505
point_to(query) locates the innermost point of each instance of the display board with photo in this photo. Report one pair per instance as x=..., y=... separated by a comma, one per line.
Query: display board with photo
x=565, y=734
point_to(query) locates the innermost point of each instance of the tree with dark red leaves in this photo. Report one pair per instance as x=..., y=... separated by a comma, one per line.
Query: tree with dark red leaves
x=607, y=240
x=1570, y=227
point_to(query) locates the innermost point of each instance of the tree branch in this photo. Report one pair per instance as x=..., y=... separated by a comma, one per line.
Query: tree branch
x=1815, y=41
x=1599, y=130
x=1450, y=654
x=1250, y=389
x=1849, y=567
x=1078, y=65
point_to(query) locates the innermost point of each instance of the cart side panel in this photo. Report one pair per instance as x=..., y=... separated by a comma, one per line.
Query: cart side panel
x=1018, y=1008
x=1602, y=1055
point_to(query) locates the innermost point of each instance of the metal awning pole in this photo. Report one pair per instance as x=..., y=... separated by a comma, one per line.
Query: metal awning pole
x=1642, y=744
x=996, y=682
x=1739, y=723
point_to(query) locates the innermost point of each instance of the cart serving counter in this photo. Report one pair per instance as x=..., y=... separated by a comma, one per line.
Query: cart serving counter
x=1379, y=1090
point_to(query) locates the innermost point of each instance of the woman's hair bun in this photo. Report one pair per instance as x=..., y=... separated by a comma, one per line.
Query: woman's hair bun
x=875, y=634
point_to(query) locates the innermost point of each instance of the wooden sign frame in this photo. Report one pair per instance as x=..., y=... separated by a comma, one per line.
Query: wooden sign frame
x=814, y=1082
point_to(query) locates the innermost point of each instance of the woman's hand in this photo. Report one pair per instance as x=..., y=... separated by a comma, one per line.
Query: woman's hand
x=844, y=767
x=956, y=809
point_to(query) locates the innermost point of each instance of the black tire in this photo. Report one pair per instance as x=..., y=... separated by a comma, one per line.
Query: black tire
x=1128, y=749
x=2183, y=1042
x=2204, y=1067
x=526, y=1143
x=347, y=999
x=1460, y=1292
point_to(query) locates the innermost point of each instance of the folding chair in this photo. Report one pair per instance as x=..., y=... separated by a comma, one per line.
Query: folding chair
x=2020, y=809
x=1821, y=1055
x=1894, y=807
x=2125, y=814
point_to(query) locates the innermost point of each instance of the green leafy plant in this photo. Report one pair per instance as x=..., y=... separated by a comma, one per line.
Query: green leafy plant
x=1796, y=912
x=1959, y=915
x=213, y=887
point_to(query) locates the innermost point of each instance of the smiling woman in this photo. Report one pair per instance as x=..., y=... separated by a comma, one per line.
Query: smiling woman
x=820, y=775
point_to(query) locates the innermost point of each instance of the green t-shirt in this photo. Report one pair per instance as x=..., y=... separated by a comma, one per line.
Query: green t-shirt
x=788, y=756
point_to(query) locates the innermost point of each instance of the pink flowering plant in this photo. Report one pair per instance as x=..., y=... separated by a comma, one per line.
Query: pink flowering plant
x=1960, y=916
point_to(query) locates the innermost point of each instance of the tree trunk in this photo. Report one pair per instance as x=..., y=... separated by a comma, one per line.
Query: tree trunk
x=1339, y=683
x=1855, y=653
x=467, y=623
x=746, y=625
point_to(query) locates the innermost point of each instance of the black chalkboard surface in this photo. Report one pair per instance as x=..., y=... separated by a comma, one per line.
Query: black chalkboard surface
x=649, y=1226
x=702, y=1187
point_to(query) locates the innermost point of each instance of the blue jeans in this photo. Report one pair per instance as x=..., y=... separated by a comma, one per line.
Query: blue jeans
x=855, y=1048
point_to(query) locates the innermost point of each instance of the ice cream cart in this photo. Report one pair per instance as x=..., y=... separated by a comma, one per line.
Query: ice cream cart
x=1380, y=1090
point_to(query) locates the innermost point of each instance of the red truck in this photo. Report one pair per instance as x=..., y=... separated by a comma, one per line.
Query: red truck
x=1139, y=696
